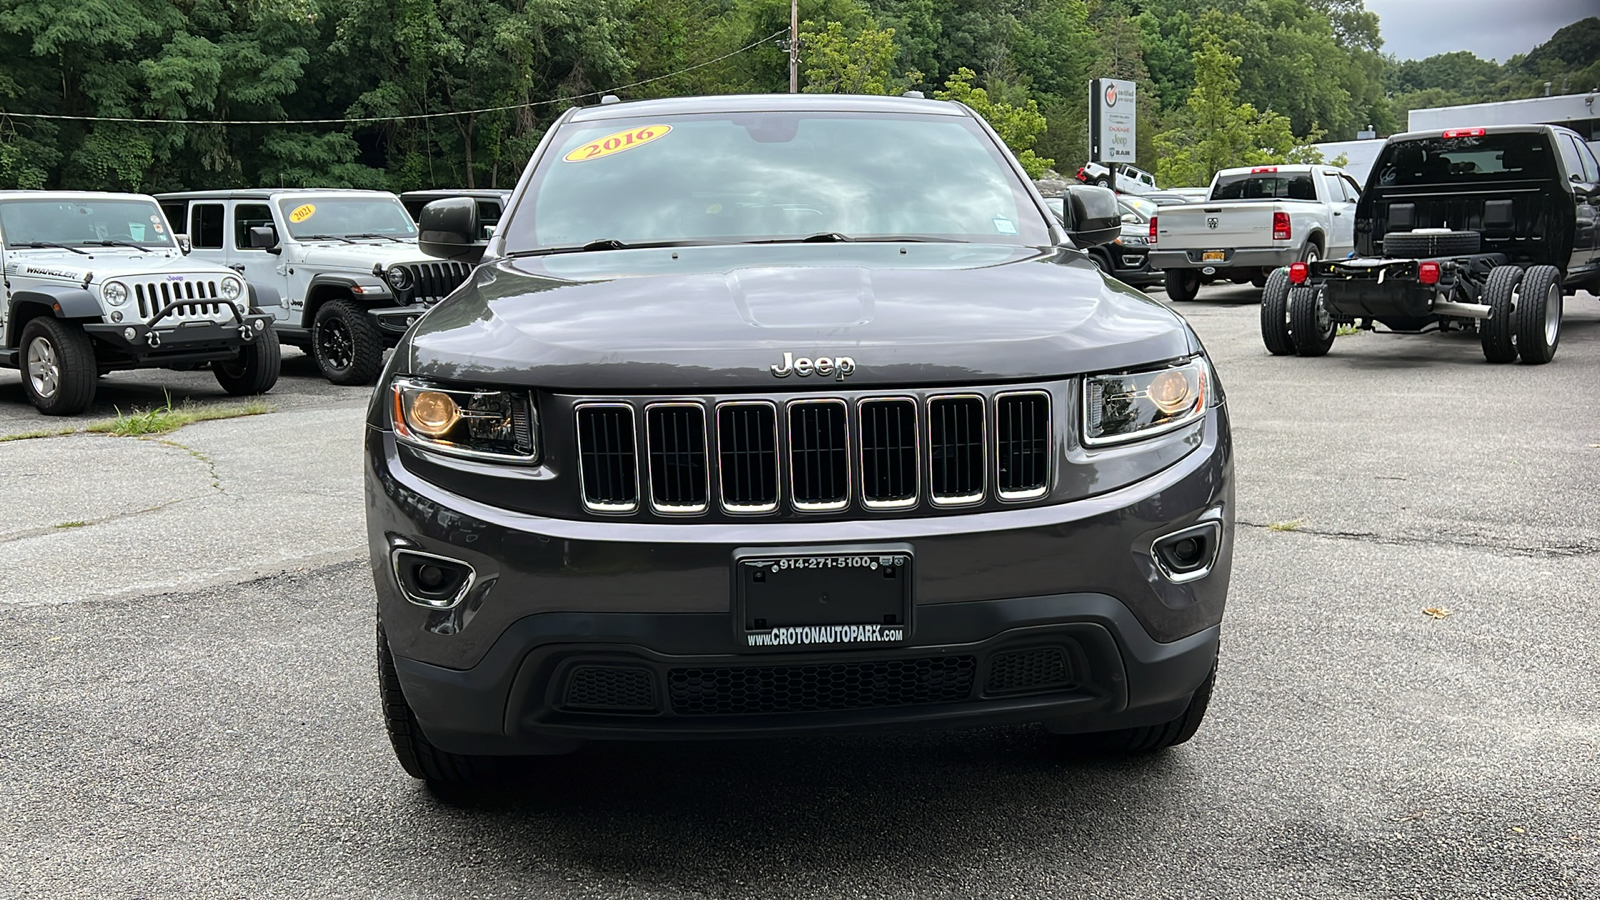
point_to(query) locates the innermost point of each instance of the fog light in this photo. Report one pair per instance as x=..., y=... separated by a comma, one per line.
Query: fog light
x=116, y=316
x=426, y=579
x=1187, y=555
x=129, y=333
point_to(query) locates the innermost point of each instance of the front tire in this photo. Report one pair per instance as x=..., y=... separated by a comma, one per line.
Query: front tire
x=1495, y=332
x=1275, y=314
x=59, y=373
x=1183, y=285
x=1102, y=181
x=416, y=755
x=1311, y=328
x=1153, y=738
x=346, y=344
x=1537, y=315
x=255, y=369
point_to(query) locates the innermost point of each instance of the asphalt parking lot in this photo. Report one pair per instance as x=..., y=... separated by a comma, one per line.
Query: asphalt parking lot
x=188, y=708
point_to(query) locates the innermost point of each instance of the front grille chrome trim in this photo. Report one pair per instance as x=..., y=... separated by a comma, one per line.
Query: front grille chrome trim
x=1049, y=445
x=633, y=421
x=794, y=496
x=916, y=458
x=968, y=499
x=672, y=509
x=751, y=509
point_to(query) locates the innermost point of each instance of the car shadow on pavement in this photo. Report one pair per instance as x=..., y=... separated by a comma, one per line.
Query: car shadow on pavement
x=708, y=815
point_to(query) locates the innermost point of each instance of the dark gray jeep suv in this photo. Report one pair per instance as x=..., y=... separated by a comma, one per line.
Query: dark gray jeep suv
x=790, y=414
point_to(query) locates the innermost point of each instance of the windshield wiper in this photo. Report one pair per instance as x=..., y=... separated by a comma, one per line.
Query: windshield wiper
x=612, y=244
x=834, y=237
x=376, y=236
x=116, y=244
x=40, y=245
x=327, y=237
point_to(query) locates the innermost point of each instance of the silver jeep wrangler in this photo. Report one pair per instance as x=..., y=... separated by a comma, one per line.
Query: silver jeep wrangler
x=345, y=261
x=97, y=282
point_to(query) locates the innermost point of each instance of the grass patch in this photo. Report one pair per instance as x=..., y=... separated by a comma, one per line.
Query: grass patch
x=166, y=419
x=72, y=524
x=41, y=433
x=1289, y=525
x=1345, y=330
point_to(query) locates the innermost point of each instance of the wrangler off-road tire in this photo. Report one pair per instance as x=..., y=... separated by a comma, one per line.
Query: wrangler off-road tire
x=1499, y=293
x=1275, y=314
x=1537, y=315
x=1411, y=245
x=1151, y=738
x=416, y=755
x=1182, y=285
x=346, y=343
x=255, y=369
x=1311, y=328
x=59, y=373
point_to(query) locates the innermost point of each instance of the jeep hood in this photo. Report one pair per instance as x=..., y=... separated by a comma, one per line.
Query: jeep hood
x=102, y=265
x=718, y=318
x=359, y=257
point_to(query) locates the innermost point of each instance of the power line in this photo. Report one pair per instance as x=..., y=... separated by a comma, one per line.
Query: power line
x=371, y=119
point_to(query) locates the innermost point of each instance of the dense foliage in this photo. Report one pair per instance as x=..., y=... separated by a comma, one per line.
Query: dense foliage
x=1227, y=81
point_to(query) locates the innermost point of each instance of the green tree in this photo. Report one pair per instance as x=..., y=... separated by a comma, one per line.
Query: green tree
x=1018, y=126
x=837, y=63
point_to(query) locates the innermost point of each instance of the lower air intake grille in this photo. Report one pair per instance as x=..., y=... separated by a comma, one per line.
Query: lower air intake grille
x=888, y=453
x=608, y=458
x=677, y=434
x=1035, y=669
x=955, y=437
x=819, y=454
x=1024, y=425
x=745, y=690
x=747, y=449
x=611, y=689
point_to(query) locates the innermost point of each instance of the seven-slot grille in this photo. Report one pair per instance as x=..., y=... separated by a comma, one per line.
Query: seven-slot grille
x=885, y=452
x=153, y=296
x=435, y=280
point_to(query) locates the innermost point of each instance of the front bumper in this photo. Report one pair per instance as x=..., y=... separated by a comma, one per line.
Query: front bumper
x=583, y=608
x=392, y=321
x=1191, y=259
x=158, y=344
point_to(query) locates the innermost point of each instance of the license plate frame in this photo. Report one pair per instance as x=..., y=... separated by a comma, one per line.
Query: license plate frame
x=809, y=598
x=1213, y=255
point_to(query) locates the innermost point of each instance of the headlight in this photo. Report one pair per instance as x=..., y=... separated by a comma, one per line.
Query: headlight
x=399, y=278
x=231, y=289
x=1129, y=406
x=115, y=293
x=472, y=422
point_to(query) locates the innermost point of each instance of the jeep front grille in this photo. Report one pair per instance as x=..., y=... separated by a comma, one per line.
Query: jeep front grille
x=152, y=296
x=432, y=281
x=607, y=458
x=956, y=446
x=1023, y=421
x=814, y=455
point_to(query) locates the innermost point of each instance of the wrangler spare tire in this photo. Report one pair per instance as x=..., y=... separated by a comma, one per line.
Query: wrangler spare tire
x=1426, y=243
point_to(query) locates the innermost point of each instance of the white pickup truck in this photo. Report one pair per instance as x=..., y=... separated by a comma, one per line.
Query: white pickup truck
x=1252, y=221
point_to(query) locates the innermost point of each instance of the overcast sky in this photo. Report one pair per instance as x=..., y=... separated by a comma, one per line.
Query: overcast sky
x=1493, y=29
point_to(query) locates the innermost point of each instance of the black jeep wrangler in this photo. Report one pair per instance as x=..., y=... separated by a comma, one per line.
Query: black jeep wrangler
x=1470, y=229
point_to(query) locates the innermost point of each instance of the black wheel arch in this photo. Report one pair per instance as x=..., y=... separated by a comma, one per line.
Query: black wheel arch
x=58, y=300
x=328, y=286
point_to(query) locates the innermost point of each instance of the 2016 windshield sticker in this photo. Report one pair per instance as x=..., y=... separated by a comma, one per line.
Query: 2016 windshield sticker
x=616, y=143
x=800, y=636
x=302, y=212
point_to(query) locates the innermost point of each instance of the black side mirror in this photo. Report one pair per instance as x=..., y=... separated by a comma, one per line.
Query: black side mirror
x=1093, y=217
x=449, y=229
x=264, y=237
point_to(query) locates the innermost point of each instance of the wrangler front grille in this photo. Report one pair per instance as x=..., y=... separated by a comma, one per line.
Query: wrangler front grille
x=435, y=280
x=814, y=455
x=153, y=296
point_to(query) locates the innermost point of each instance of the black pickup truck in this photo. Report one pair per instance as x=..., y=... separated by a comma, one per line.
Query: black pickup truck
x=1470, y=229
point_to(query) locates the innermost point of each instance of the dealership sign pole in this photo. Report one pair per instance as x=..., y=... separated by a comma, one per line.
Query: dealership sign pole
x=1112, y=139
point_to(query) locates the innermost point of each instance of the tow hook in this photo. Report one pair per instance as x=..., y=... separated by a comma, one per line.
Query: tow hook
x=246, y=333
x=153, y=339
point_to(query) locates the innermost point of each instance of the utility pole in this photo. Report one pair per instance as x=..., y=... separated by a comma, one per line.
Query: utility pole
x=794, y=46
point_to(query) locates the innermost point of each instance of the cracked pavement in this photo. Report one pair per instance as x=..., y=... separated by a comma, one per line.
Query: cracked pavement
x=188, y=709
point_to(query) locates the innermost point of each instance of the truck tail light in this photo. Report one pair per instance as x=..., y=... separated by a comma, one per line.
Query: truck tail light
x=1428, y=273
x=1153, y=229
x=1463, y=132
x=1280, y=226
x=1259, y=169
x=1298, y=272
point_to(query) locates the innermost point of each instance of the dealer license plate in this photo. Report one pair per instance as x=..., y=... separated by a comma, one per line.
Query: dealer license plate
x=803, y=600
x=1213, y=256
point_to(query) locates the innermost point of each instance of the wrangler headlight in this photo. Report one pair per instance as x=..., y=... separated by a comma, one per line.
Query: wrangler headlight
x=231, y=289
x=1132, y=405
x=114, y=292
x=399, y=278
x=473, y=422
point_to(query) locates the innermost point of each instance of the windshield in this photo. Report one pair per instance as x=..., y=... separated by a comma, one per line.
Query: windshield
x=1466, y=160
x=79, y=222
x=1265, y=186
x=736, y=177
x=335, y=216
x=1144, y=209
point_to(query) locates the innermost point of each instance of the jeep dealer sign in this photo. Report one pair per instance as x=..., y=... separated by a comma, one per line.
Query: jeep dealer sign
x=1111, y=125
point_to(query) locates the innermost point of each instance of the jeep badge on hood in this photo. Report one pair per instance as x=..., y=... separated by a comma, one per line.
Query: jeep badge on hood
x=841, y=367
